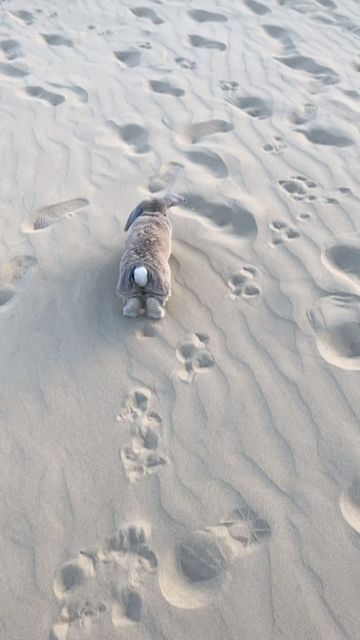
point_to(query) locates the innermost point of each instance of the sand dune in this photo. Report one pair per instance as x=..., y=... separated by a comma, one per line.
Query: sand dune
x=196, y=477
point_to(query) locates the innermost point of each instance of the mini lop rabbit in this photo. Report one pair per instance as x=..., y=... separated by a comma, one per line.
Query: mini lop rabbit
x=145, y=276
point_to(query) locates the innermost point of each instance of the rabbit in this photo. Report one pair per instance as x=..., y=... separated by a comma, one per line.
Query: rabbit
x=145, y=276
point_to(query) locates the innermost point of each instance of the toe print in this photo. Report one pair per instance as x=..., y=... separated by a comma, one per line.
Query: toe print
x=143, y=455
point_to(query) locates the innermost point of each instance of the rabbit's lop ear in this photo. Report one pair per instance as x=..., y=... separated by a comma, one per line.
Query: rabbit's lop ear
x=135, y=214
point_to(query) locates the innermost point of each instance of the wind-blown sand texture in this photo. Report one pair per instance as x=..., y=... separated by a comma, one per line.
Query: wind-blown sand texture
x=197, y=477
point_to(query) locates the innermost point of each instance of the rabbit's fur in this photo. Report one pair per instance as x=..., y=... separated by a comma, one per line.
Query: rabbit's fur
x=148, y=245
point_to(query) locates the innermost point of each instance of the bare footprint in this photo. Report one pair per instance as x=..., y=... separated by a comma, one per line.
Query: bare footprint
x=343, y=258
x=11, y=274
x=134, y=136
x=326, y=137
x=162, y=86
x=193, y=571
x=11, y=49
x=24, y=16
x=52, y=214
x=149, y=14
x=200, y=130
x=194, y=356
x=335, y=320
x=210, y=161
x=143, y=455
x=206, y=43
x=165, y=178
x=54, y=99
x=200, y=15
x=101, y=589
x=350, y=505
x=55, y=40
x=242, y=284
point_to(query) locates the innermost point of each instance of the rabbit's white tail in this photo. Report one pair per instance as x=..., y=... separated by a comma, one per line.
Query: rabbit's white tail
x=141, y=276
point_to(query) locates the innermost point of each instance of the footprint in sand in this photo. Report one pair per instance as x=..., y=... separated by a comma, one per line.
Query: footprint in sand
x=135, y=137
x=11, y=274
x=343, y=258
x=79, y=91
x=101, y=589
x=54, y=99
x=13, y=72
x=282, y=232
x=232, y=217
x=165, y=178
x=55, y=40
x=276, y=146
x=194, y=356
x=143, y=455
x=24, y=16
x=350, y=505
x=193, y=571
x=297, y=187
x=205, y=43
x=335, y=320
x=53, y=213
x=200, y=15
x=162, y=86
x=148, y=14
x=257, y=7
x=298, y=62
x=199, y=130
x=326, y=137
x=11, y=49
x=185, y=63
x=242, y=284
x=128, y=57
x=253, y=106
x=228, y=85
x=210, y=161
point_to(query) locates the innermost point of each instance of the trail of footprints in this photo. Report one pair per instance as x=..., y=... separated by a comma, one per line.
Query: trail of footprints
x=144, y=454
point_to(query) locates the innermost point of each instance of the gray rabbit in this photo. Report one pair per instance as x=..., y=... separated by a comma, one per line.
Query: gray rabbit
x=145, y=276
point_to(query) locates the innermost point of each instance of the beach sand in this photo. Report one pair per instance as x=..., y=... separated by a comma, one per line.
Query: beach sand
x=196, y=477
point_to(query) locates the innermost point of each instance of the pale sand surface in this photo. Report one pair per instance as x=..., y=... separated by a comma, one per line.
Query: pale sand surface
x=199, y=477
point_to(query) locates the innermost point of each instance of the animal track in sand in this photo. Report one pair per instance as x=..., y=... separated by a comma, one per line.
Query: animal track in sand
x=11, y=274
x=326, y=137
x=257, y=7
x=194, y=356
x=205, y=43
x=335, y=320
x=343, y=258
x=276, y=146
x=210, y=161
x=200, y=15
x=242, y=284
x=350, y=505
x=149, y=14
x=55, y=40
x=228, y=85
x=232, y=216
x=200, y=130
x=51, y=98
x=24, y=16
x=185, y=63
x=143, y=455
x=193, y=571
x=53, y=213
x=134, y=136
x=11, y=49
x=253, y=106
x=14, y=72
x=129, y=57
x=297, y=187
x=101, y=588
x=283, y=233
x=165, y=178
x=162, y=86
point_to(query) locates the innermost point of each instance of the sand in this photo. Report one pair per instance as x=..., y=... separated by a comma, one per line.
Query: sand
x=196, y=477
